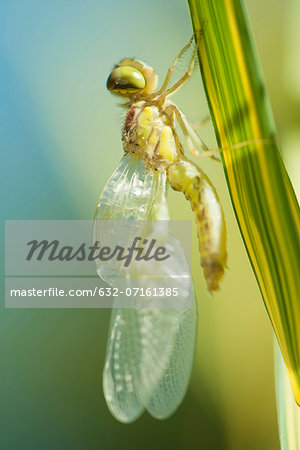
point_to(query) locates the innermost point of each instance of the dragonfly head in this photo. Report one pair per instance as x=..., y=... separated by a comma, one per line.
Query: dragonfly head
x=131, y=76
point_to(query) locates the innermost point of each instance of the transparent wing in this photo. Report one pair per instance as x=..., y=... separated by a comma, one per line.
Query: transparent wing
x=150, y=354
x=148, y=361
x=150, y=348
x=168, y=334
x=121, y=377
x=170, y=391
x=129, y=199
x=131, y=193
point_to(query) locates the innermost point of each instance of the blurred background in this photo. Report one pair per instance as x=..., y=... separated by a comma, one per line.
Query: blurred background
x=60, y=141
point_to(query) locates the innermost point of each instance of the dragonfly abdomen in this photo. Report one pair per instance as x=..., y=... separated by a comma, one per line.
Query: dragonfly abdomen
x=197, y=188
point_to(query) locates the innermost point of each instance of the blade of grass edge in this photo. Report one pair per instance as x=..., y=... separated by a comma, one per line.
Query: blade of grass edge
x=288, y=412
x=262, y=195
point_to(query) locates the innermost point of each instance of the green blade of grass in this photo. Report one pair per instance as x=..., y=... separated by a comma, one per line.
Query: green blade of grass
x=288, y=412
x=263, y=198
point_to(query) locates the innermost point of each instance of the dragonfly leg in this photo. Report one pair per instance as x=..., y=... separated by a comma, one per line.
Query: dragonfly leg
x=190, y=135
x=196, y=126
x=183, y=79
x=248, y=142
x=171, y=69
x=216, y=151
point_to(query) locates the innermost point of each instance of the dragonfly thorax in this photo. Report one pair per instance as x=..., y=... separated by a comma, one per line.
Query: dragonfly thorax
x=149, y=133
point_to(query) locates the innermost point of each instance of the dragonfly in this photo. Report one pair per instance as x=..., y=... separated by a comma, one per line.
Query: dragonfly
x=150, y=351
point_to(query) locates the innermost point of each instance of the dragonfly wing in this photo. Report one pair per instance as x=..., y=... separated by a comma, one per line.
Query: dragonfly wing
x=167, y=334
x=150, y=346
x=139, y=346
x=131, y=192
x=130, y=196
x=172, y=387
x=148, y=361
x=121, y=375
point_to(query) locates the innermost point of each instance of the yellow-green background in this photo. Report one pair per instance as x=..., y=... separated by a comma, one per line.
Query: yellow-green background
x=60, y=141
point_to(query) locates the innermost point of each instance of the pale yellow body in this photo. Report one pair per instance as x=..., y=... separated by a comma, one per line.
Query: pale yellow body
x=149, y=133
x=150, y=350
x=197, y=188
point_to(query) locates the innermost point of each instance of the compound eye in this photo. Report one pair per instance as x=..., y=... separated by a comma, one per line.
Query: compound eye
x=125, y=79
